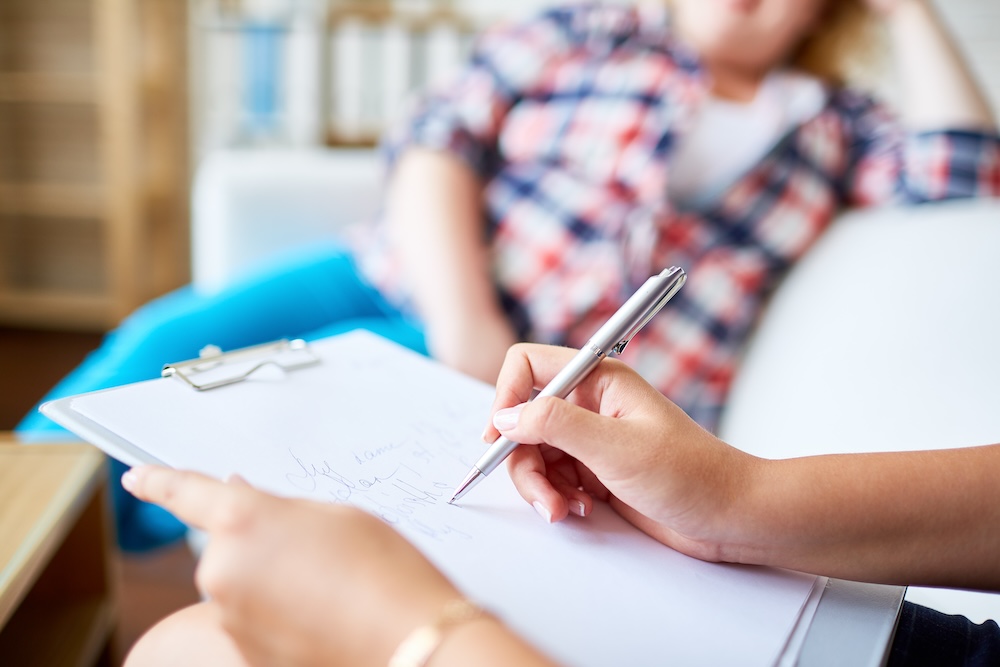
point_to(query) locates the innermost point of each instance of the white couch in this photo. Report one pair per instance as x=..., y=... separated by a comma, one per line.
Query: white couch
x=884, y=337
x=248, y=204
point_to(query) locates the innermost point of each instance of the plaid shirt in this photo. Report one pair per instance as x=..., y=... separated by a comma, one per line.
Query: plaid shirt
x=569, y=121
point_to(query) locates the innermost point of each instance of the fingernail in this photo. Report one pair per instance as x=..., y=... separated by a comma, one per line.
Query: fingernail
x=485, y=436
x=544, y=513
x=506, y=419
x=577, y=507
x=129, y=479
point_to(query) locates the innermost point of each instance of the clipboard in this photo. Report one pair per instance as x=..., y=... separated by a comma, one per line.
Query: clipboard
x=358, y=419
x=211, y=370
x=226, y=368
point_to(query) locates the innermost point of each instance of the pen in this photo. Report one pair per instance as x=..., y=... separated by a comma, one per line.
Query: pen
x=610, y=338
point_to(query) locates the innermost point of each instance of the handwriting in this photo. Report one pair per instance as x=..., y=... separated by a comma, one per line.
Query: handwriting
x=372, y=454
x=398, y=493
x=305, y=478
x=405, y=512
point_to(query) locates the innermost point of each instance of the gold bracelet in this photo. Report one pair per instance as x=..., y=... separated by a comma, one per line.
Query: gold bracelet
x=418, y=647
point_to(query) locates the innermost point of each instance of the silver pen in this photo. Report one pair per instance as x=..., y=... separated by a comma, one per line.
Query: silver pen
x=610, y=338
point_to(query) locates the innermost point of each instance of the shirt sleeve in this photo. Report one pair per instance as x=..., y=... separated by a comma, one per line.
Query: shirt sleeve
x=887, y=165
x=464, y=114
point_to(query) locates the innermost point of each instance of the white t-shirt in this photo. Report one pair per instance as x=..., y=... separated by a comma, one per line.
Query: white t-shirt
x=726, y=139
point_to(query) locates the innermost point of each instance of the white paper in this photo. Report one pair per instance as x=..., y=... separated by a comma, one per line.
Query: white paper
x=392, y=432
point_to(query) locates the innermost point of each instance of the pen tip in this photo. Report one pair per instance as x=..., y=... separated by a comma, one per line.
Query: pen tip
x=467, y=483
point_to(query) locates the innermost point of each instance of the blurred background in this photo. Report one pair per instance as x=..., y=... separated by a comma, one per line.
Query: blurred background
x=110, y=111
x=109, y=107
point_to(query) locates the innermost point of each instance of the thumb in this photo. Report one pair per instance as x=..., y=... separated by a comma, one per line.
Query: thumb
x=577, y=431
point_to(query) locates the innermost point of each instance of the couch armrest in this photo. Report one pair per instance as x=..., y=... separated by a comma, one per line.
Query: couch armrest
x=883, y=337
x=249, y=204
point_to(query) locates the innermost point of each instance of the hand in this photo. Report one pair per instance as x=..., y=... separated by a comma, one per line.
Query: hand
x=618, y=440
x=937, y=88
x=474, y=344
x=297, y=582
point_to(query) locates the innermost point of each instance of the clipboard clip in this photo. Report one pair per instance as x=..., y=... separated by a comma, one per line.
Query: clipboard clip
x=287, y=355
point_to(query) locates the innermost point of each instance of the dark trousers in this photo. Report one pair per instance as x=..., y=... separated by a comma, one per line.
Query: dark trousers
x=928, y=637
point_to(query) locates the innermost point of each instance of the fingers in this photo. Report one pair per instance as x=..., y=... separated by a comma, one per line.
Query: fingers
x=527, y=471
x=526, y=367
x=195, y=499
x=577, y=431
x=551, y=492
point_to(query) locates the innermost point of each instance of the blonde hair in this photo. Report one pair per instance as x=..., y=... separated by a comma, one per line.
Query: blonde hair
x=846, y=46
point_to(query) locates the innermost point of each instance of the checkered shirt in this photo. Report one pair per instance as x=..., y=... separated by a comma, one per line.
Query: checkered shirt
x=570, y=121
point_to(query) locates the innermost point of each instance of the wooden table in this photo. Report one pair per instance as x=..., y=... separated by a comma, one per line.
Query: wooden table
x=58, y=596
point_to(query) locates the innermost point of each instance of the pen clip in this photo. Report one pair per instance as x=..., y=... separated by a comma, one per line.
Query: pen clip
x=677, y=277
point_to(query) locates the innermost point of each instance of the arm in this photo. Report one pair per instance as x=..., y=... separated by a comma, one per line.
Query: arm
x=435, y=214
x=937, y=87
x=915, y=517
x=304, y=583
x=950, y=148
x=929, y=518
x=434, y=218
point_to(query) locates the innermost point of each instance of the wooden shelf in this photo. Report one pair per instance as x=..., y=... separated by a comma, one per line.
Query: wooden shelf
x=379, y=13
x=81, y=626
x=93, y=159
x=48, y=88
x=56, y=309
x=58, y=591
x=50, y=200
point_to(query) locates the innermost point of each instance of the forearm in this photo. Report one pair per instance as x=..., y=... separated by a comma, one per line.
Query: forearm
x=938, y=90
x=434, y=214
x=922, y=518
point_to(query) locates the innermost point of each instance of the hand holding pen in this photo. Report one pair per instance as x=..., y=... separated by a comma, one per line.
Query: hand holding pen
x=610, y=338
